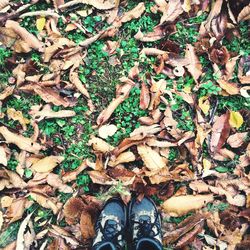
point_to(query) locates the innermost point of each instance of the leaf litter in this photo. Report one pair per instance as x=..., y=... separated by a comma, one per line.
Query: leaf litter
x=103, y=98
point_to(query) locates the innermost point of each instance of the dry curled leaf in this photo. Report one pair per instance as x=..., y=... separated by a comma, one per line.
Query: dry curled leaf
x=47, y=164
x=244, y=14
x=29, y=38
x=6, y=92
x=122, y=158
x=18, y=116
x=134, y=13
x=22, y=142
x=181, y=205
x=73, y=208
x=144, y=96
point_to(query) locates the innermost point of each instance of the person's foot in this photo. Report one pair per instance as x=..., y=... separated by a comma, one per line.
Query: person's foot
x=110, y=226
x=145, y=225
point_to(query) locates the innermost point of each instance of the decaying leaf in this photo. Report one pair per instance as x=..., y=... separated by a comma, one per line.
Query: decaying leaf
x=181, y=205
x=73, y=208
x=47, y=164
x=22, y=142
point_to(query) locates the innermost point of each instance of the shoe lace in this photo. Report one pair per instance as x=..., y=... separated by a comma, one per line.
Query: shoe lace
x=145, y=228
x=110, y=233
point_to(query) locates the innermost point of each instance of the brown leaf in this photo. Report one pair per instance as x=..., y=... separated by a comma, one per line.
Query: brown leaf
x=7, y=92
x=101, y=178
x=157, y=89
x=134, y=13
x=100, y=145
x=122, y=92
x=107, y=130
x=55, y=181
x=181, y=205
x=152, y=160
x=3, y=156
x=122, y=158
x=18, y=116
x=144, y=96
x=244, y=77
x=49, y=95
x=220, y=56
x=45, y=201
x=22, y=142
x=244, y=14
x=220, y=132
x=172, y=11
x=157, y=34
x=98, y=4
x=47, y=164
x=72, y=175
x=87, y=226
x=16, y=209
x=230, y=67
x=29, y=38
x=194, y=65
x=73, y=208
x=237, y=139
x=47, y=113
x=229, y=87
x=15, y=179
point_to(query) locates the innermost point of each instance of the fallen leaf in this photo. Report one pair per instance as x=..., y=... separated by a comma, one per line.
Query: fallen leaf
x=194, y=66
x=29, y=38
x=21, y=241
x=230, y=88
x=101, y=178
x=22, y=142
x=144, y=96
x=15, y=179
x=48, y=113
x=40, y=23
x=1, y=220
x=45, y=201
x=6, y=92
x=152, y=160
x=220, y=132
x=122, y=158
x=98, y=4
x=244, y=14
x=235, y=119
x=47, y=164
x=3, y=156
x=72, y=175
x=134, y=13
x=56, y=182
x=107, y=130
x=237, y=139
x=16, y=210
x=18, y=116
x=204, y=104
x=73, y=208
x=100, y=145
x=172, y=12
x=87, y=226
x=220, y=56
x=181, y=205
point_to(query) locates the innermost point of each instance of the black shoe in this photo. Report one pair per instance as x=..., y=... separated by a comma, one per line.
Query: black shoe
x=145, y=225
x=110, y=226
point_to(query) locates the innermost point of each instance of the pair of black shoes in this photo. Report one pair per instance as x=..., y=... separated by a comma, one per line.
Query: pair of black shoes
x=141, y=221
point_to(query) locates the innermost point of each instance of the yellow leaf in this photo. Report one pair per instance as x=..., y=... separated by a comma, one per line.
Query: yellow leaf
x=235, y=119
x=40, y=23
x=204, y=104
x=206, y=164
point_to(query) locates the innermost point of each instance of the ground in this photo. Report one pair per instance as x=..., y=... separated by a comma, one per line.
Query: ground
x=177, y=74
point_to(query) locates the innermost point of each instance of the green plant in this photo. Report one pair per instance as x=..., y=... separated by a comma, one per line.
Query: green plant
x=9, y=234
x=83, y=181
x=209, y=88
x=211, y=207
x=4, y=53
x=173, y=154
